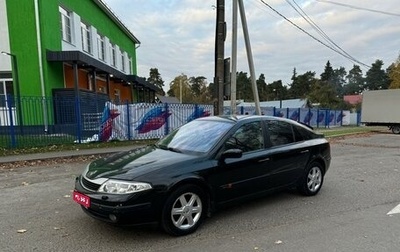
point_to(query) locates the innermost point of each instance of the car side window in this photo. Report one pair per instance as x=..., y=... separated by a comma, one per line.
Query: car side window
x=249, y=137
x=298, y=136
x=305, y=134
x=280, y=132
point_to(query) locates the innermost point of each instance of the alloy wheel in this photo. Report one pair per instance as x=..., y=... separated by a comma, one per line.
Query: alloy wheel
x=314, y=179
x=186, y=211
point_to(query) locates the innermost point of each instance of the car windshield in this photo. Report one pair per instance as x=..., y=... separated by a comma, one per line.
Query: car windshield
x=195, y=136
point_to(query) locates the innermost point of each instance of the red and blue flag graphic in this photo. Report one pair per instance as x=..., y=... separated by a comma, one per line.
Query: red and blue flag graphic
x=153, y=120
x=197, y=113
x=106, y=123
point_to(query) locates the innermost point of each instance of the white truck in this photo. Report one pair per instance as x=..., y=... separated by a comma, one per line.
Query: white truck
x=381, y=108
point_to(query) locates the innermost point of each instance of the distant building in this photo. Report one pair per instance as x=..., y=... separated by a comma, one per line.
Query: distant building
x=353, y=99
x=291, y=103
x=166, y=99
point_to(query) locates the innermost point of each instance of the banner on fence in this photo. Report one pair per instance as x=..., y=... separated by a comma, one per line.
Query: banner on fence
x=313, y=117
x=149, y=121
x=146, y=120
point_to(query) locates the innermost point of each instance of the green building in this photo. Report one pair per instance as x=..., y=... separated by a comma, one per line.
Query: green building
x=76, y=49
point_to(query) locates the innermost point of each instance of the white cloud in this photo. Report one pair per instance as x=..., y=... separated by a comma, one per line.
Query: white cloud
x=179, y=36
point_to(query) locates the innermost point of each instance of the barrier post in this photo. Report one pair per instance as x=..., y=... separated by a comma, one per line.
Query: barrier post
x=78, y=119
x=166, y=127
x=128, y=120
x=341, y=117
x=12, y=130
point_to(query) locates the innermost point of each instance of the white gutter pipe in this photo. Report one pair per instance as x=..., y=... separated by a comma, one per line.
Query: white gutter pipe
x=39, y=48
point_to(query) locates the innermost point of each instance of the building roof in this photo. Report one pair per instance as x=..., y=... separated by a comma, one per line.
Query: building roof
x=167, y=99
x=353, y=99
x=115, y=18
x=85, y=61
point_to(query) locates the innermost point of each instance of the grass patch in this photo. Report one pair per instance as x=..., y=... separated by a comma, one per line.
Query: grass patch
x=72, y=146
x=26, y=141
x=347, y=130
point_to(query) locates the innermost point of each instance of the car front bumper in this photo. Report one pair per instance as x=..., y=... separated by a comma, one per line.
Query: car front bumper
x=128, y=209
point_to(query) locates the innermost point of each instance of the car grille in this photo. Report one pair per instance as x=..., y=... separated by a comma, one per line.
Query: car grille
x=89, y=185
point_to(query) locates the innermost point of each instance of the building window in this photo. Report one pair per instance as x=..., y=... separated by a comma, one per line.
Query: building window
x=130, y=66
x=65, y=25
x=86, y=38
x=101, y=47
x=122, y=61
x=113, y=55
x=6, y=88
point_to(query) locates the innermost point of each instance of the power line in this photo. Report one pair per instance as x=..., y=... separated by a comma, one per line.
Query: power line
x=304, y=15
x=360, y=8
x=313, y=37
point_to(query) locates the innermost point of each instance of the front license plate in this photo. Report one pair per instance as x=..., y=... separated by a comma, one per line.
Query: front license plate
x=81, y=199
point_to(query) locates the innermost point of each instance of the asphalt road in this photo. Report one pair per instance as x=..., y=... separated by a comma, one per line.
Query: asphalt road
x=349, y=214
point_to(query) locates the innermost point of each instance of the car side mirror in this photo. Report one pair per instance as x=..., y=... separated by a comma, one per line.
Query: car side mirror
x=231, y=153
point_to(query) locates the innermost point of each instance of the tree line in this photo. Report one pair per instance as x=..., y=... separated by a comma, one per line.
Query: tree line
x=325, y=91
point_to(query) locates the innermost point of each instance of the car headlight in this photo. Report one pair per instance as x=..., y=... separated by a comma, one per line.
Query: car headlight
x=123, y=187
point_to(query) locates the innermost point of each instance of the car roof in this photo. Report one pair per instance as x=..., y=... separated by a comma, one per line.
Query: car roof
x=237, y=118
x=240, y=118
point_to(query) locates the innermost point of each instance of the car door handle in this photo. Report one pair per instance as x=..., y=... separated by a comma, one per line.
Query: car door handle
x=304, y=151
x=263, y=160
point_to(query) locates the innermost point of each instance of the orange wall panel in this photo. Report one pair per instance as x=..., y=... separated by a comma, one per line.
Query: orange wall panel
x=124, y=91
x=69, y=78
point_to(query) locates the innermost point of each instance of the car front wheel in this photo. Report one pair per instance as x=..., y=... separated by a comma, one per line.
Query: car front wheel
x=312, y=180
x=184, y=210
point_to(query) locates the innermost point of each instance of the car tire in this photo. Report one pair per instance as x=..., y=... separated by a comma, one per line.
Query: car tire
x=312, y=179
x=184, y=210
x=396, y=129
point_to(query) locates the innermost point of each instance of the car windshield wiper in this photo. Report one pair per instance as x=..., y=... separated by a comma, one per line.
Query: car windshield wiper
x=174, y=149
x=164, y=147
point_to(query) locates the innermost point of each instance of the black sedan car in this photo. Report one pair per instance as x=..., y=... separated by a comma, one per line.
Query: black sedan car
x=205, y=164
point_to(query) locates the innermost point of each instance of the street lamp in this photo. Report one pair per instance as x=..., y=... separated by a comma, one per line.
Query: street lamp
x=16, y=81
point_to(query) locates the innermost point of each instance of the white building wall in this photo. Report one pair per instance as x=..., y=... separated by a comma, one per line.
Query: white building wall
x=107, y=56
x=5, y=60
x=118, y=57
x=76, y=45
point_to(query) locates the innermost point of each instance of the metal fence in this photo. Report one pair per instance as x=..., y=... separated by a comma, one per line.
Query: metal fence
x=65, y=119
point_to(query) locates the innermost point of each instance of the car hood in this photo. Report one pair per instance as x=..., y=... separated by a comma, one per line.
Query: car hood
x=130, y=164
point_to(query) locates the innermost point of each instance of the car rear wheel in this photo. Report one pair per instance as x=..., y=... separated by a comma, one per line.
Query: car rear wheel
x=396, y=129
x=312, y=180
x=184, y=210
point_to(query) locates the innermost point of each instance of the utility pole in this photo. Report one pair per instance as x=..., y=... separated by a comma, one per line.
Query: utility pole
x=180, y=90
x=249, y=57
x=220, y=33
x=234, y=56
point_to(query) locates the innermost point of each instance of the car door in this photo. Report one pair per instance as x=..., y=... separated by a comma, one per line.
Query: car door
x=288, y=154
x=239, y=177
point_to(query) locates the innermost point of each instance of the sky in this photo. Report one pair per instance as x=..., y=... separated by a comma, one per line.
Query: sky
x=178, y=36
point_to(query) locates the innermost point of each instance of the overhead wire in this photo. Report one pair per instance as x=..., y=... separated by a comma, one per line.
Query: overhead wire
x=318, y=29
x=359, y=8
x=312, y=36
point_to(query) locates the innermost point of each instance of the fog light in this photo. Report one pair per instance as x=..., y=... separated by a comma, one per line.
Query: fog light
x=113, y=218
